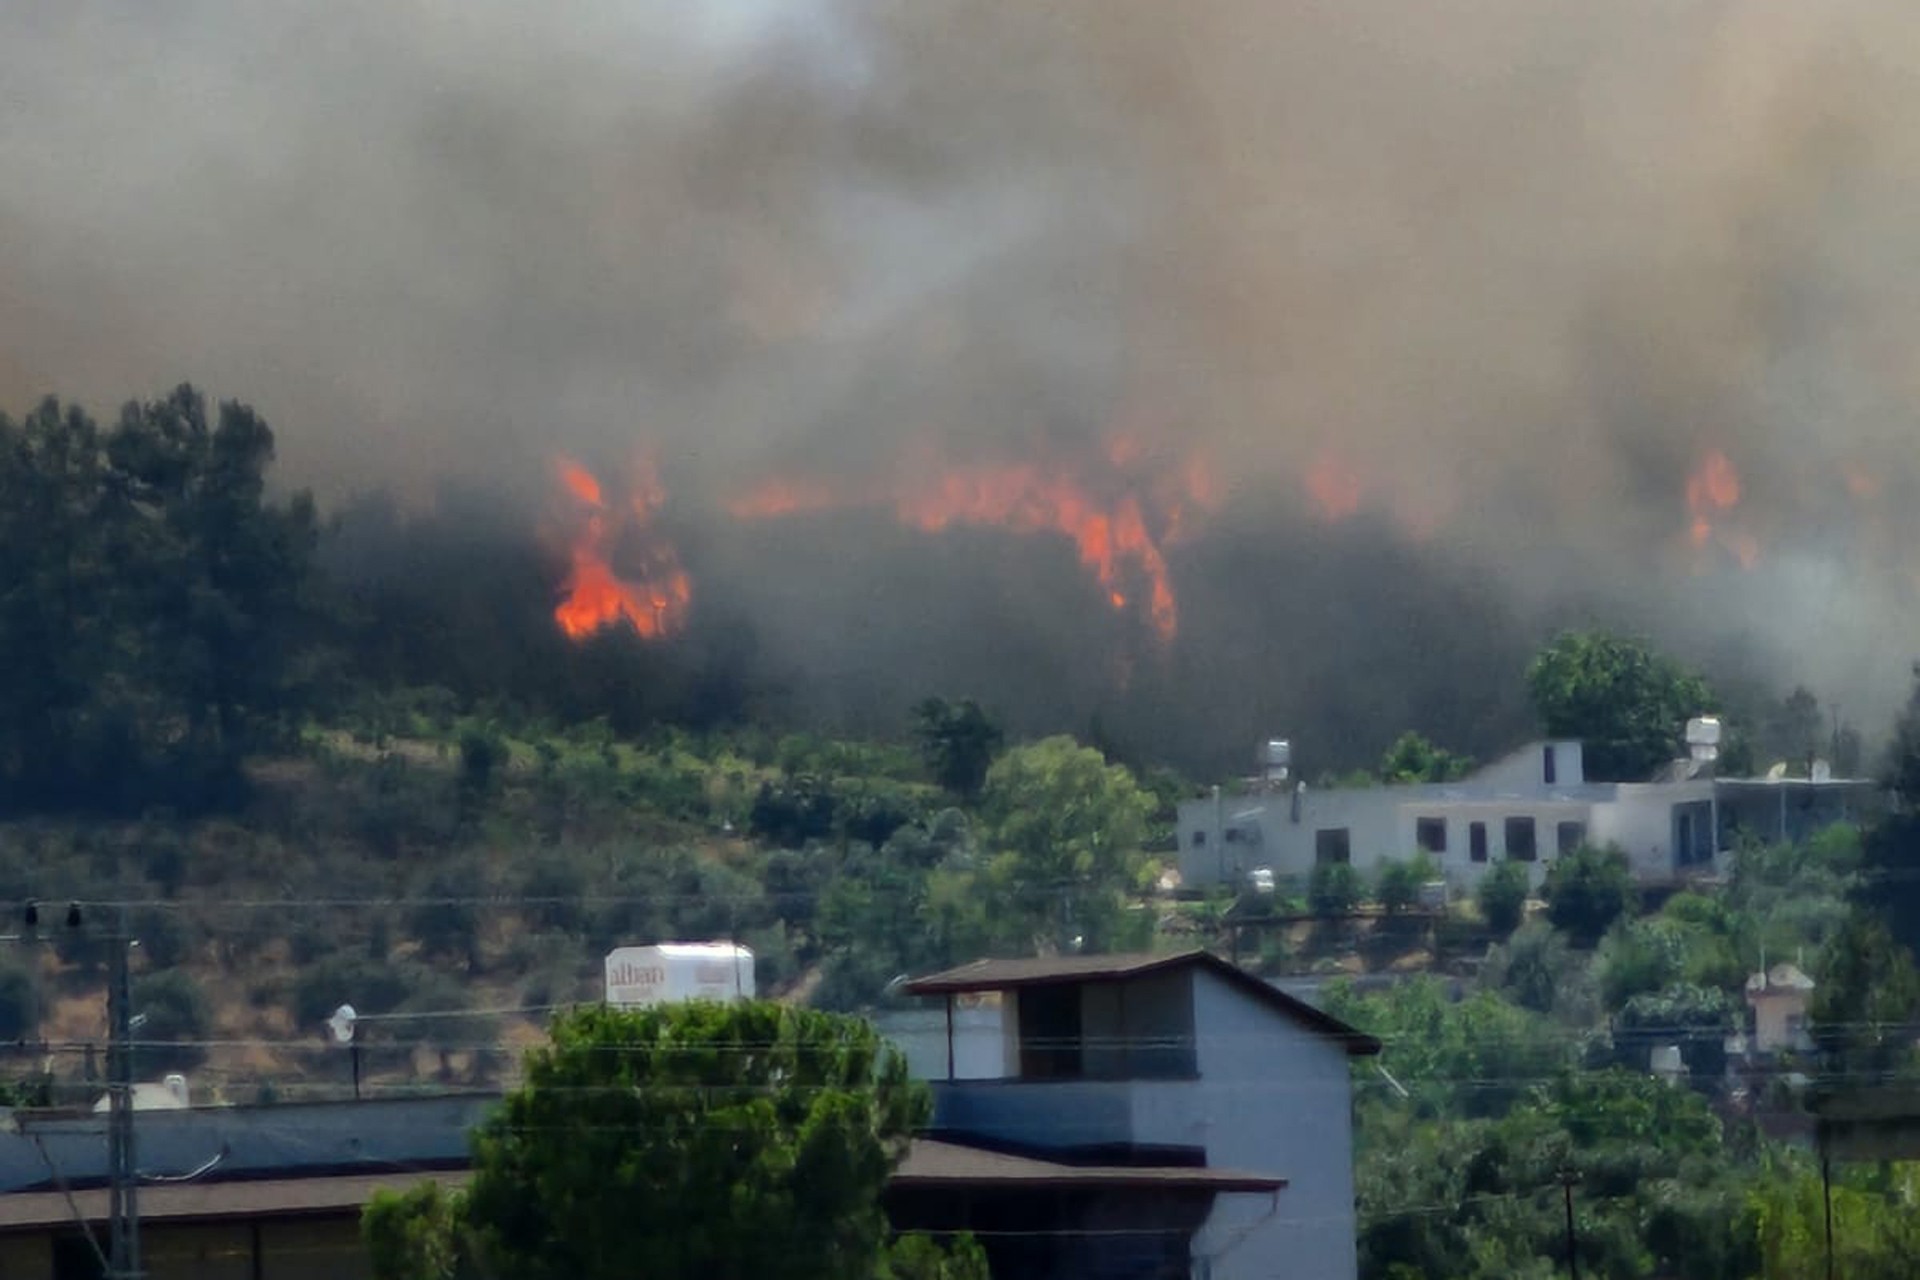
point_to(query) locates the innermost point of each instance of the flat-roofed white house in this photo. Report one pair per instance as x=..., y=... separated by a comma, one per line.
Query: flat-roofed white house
x=1158, y=1062
x=1531, y=807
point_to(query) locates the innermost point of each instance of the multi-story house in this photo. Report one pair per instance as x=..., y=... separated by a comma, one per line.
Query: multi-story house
x=1530, y=807
x=1159, y=1063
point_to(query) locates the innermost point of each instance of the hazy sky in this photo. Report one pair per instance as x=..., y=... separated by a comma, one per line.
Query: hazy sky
x=1501, y=274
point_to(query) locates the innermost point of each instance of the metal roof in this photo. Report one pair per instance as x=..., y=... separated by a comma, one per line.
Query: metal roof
x=1006, y=975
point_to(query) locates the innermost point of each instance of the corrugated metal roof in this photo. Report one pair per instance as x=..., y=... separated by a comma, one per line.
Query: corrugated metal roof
x=1003, y=975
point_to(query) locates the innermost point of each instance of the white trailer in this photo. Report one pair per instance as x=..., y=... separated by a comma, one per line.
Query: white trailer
x=671, y=971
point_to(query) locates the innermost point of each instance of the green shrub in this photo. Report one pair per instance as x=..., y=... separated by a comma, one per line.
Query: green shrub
x=1333, y=889
x=1587, y=891
x=1400, y=882
x=1502, y=895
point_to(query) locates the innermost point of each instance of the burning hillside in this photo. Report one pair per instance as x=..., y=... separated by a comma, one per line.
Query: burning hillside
x=648, y=590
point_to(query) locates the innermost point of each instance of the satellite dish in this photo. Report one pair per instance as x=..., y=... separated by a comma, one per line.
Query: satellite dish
x=341, y=1024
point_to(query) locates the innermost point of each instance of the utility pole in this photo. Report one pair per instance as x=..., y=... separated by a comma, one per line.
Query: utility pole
x=1567, y=1178
x=124, y=1210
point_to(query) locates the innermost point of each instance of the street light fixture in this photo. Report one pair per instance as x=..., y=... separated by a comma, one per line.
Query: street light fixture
x=341, y=1025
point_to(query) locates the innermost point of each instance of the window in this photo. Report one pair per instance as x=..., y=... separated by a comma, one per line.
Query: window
x=1569, y=836
x=1234, y=835
x=1050, y=1036
x=1199, y=839
x=1477, y=841
x=1430, y=834
x=1330, y=844
x=1546, y=764
x=1520, y=846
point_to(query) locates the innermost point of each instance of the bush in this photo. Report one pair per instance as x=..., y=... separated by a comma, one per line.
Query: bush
x=1400, y=883
x=482, y=752
x=1503, y=896
x=445, y=921
x=1640, y=956
x=1587, y=891
x=1333, y=889
x=1535, y=969
x=1699, y=1019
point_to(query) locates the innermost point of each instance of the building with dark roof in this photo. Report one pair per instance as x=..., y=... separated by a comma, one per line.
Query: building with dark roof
x=1162, y=1063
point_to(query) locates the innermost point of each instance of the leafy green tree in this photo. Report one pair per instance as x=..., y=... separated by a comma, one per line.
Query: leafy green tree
x=1471, y=1057
x=1627, y=704
x=1535, y=969
x=705, y=1140
x=1063, y=830
x=1400, y=881
x=1588, y=890
x=1502, y=894
x=416, y=1234
x=958, y=741
x=910, y=906
x=1638, y=957
x=1698, y=1019
x=1876, y=1235
x=1887, y=885
x=1413, y=758
x=1333, y=889
x=155, y=607
x=1867, y=992
x=918, y=1257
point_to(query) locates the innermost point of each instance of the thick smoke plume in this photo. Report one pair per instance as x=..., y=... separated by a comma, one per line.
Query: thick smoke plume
x=1450, y=304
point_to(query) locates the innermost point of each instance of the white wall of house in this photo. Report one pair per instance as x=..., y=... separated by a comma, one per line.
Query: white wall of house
x=1274, y=1097
x=1375, y=826
x=1264, y=1094
x=1640, y=822
x=1225, y=837
x=1779, y=1020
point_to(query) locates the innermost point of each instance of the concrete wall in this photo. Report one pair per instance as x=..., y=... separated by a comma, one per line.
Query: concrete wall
x=1382, y=825
x=1271, y=1097
x=1779, y=1020
x=1274, y=1098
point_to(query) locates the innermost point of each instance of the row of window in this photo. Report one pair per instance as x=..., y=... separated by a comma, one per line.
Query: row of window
x=1335, y=844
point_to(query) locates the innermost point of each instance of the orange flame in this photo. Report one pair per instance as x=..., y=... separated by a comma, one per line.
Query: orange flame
x=1335, y=487
x=1713, y=491
x=1114, y=538
x=778, y=498
x=1028, y=500
x=596, y=597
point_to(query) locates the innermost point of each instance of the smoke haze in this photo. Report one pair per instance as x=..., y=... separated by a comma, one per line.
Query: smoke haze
x=1451, y=303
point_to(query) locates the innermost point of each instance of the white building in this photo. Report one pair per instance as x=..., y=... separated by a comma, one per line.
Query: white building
x=1530, y=807
x=1779, y=998
x=1158, y=1061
